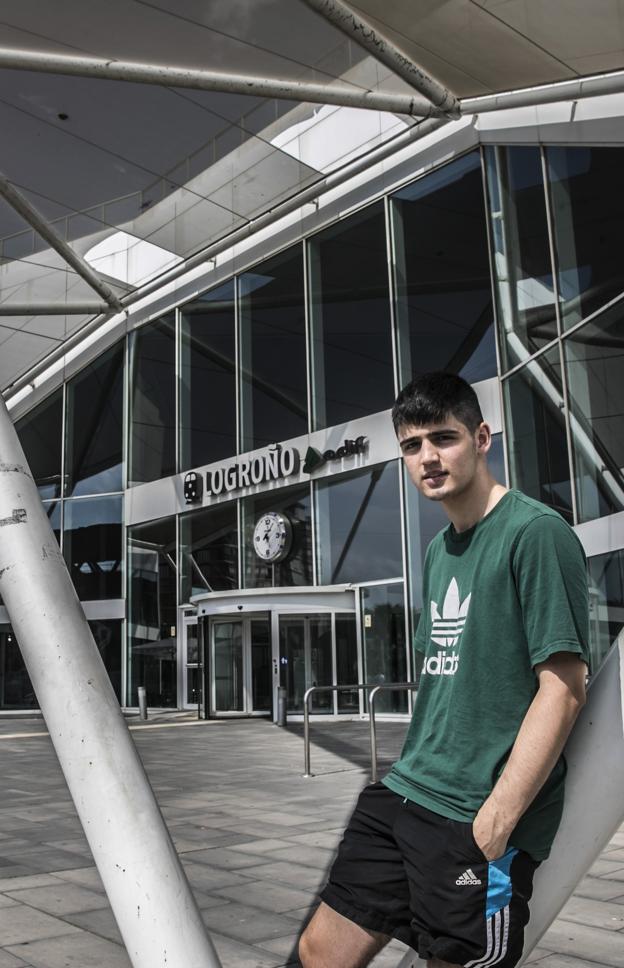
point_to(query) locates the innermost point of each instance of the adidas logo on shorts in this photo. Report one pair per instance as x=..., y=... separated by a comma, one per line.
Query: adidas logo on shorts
x=467, y=879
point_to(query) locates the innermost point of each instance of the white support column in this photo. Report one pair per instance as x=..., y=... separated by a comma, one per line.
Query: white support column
x=148, y=891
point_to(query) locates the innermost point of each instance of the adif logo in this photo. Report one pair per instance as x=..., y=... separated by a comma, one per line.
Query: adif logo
x=448, y=627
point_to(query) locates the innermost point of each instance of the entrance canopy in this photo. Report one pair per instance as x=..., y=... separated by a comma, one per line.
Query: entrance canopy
x=125, y=161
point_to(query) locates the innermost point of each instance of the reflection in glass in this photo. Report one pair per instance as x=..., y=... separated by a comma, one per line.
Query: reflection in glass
x=209, y=550
x=94, y=426
x=228, y=667
x=92, y=546
x=442, y=271
x=595, y=367
x=588, y=212
x=305, y=644
x=359, y=526
x=296, y=568
x=351, y=342
x=606, y=600
x=208, y=379
x=273, y=351
x=385, y=653
x=538, y=452
x=347, y=662
x=521, y=254
x=107, y=635
x=152, y=580
x=16, y=691
x=41, y=436
x=152, y=401
x=260, y=665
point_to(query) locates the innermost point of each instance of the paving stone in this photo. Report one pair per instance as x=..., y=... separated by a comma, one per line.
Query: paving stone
x=79, y=950
x=566, y=961
x=210, y=878
x=21, y=923
x=603, y=868
x=286, y=946
x=101, y=923
x=584, y=942
x=536, y=955
x=244, y=923
x=600, y=914
x=308, y=856
x=268, y=897
x=598, y=888
x=60, y=899
x=223, y=857
x=307, y=877
x=261, y=846
x=234, y=954
x=83, y=876
x=11, y=961
x=330, y=839
x=6, y=901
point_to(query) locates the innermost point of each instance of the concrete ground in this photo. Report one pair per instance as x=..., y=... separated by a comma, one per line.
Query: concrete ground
x=254, y=836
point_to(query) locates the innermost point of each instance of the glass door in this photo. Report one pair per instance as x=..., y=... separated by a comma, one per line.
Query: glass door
x=306, y=659
x=191, y=671
x=240, y=667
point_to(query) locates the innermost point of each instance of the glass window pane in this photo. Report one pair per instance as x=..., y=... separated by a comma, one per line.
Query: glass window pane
x=442, y=272
x=273, y=351
x=152, y=580
x=16, y=691
x=209, y=548
x=152, y=401
x=208, y=379
x=92, y=546
x=94, y=434
x=228, y=667
x=261, y=675
x=538, y=451
x=588, y=211
x=347, y=663
x=41, y=436
x=606, y=602
x=359, y=526
x=351, y=342
x=521, y=254
x=107, y=636
x=296, y=568
x=595, y=367
x=385, y=653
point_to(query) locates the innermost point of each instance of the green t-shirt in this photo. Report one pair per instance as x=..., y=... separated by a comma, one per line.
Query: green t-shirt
x=498, y=599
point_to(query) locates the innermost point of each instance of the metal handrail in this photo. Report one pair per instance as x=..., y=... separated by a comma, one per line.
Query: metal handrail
x=395, y=686
x=374, y=687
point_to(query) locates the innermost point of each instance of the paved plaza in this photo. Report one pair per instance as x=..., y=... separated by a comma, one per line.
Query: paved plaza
x=255, y=838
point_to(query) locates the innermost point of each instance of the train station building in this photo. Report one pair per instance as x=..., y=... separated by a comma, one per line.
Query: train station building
x=214, y=447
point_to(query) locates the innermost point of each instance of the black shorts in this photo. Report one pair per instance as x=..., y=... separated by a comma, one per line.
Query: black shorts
x=419, y=877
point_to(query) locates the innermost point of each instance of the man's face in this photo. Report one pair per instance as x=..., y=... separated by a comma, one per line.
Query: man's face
x=443, y=459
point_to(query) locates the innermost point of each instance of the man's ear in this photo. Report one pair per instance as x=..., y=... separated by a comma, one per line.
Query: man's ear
x=483, y=438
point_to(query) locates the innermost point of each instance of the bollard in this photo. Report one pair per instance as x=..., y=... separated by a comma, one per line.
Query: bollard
x=142, y=702
x=281, y=706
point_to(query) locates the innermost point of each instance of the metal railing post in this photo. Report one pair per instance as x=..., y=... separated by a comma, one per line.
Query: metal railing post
x=373, y=733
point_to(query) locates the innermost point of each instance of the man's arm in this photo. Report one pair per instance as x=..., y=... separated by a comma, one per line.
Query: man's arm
x=540, y=740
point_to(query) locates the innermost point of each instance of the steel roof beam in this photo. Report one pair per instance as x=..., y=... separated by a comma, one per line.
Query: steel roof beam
x=166, y=76
x=43, y=228
x=359, y=30
x=54, y=309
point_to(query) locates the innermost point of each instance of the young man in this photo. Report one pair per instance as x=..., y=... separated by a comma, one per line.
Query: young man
x=441, y=854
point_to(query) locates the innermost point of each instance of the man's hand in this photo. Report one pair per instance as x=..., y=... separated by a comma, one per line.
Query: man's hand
x=537, y=748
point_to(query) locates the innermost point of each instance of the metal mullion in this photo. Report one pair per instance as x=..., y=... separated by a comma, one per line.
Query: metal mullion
x=314, y=531
x=178, y=386
x=334, y=661
x=307, y=302
x=392, y=293
x=238, y=383
x=497, y=334
x=239, y=528
x=564, y=376
x=407, y=585
x=530, y=359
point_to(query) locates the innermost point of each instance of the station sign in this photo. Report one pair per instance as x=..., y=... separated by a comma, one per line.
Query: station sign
x=275, y=463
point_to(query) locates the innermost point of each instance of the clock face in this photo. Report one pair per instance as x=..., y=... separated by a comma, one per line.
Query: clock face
x=272, y=536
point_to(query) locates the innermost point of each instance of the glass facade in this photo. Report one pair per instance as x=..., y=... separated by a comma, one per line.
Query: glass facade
x=274, y=398
x=208, y=378
x=442, y=274
x=359, y=526
x=315, y=336
x=94, y=427
x=352, y=365
x=152, y=609
x=152, y=383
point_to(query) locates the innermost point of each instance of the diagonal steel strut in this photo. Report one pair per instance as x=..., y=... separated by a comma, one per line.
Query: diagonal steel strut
x=20, y=203
x=354, y=26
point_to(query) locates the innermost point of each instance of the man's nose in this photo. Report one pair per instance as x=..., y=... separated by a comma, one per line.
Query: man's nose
x=428, y=452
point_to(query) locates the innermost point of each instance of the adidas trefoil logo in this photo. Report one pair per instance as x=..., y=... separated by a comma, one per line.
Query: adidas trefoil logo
x=467, y=879
x=448, y=627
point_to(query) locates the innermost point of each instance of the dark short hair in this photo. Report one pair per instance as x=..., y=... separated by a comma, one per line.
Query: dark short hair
x=432, y=398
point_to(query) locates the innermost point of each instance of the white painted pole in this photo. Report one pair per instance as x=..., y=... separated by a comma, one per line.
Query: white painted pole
x=148, y=891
